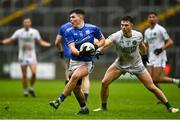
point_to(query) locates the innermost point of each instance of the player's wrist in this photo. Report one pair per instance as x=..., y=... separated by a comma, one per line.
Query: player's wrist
x=96, y=46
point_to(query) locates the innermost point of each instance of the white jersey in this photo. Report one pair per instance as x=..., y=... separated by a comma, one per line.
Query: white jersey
x=127, y=48
x=26, y=41
x=156, y=37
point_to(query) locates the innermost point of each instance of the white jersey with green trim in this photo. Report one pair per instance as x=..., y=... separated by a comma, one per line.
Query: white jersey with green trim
x=127, y=48
x=156, y=37
x=26, y=41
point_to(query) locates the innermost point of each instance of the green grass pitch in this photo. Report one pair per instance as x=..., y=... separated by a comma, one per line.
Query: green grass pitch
x=127, y=100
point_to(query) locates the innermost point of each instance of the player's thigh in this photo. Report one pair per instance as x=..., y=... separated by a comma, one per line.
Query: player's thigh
x=145, y=78
x=33, y=68
x=80, y=72
x=111, y=74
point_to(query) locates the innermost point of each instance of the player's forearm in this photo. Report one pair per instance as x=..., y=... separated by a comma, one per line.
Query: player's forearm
x=143, y=49
x=44, y=43
x=168, y=44
x=74, y=51
x=101, y=42
x=106, y=45
x=7, y=41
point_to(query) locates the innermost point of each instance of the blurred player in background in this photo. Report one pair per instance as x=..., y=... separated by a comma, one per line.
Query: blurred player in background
x=128, y=42
x=27, y=36
x=81, y=63
x=157, y=41
x=65, y=53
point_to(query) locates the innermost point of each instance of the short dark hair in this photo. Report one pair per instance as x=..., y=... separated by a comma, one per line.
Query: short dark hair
x=127, y=18
x=77, y=11
x=153, y=13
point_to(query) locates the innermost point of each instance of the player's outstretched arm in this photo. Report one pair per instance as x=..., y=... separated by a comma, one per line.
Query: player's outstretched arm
x=6, y=41
x=107, y=44
x=43, y=43
x=100, y=42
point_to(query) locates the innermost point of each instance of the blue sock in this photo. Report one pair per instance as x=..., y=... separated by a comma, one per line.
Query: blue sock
x=86, y=96
x=104, y=105
x=62, y=97
x=83, y=104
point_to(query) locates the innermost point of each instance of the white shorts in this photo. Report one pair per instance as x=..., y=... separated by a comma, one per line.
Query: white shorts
x=73, y=65
x=135, y=69
x=157, y=63
x=27, y=61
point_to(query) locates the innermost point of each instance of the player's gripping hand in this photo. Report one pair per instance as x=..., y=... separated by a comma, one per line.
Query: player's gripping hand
x=158, y=51
x=98, y=53
x=145, y=59
x=96, y=47
x=86, y=53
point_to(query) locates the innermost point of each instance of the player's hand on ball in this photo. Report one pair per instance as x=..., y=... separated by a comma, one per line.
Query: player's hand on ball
x=96, y=46
x=158, y=51
x=86, y=53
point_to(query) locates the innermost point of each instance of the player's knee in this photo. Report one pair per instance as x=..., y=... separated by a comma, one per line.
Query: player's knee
x=105, y=83
x=75, y=78
x=33, y=74
x=77, y=89
x=156, y=78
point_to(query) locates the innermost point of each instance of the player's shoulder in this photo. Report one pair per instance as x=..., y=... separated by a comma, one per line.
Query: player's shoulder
x=137, y=33
x=116, y=34
x=66, y=25
x=160, y=27
x=147, y=30
x=34, y=30
x=90, y=25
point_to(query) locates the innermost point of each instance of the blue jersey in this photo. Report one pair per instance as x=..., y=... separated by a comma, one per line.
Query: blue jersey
x=61, y=32
x=79, y=36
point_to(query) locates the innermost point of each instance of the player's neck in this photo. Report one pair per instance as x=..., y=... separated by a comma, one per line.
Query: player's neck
x=81, y=25
x=153, y=25
x=128, y=34
x=26, y=29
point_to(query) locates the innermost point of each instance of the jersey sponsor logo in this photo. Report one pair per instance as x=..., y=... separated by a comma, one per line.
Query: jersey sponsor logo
x=83, y=40
x=128, y=50
x=87, y=32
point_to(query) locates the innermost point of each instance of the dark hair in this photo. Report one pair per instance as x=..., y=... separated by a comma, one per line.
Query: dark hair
x=127, y=18
x=153, y=13
x=77, y=11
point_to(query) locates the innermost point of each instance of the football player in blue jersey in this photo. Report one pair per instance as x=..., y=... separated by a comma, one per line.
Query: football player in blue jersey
x=65, y=53
x=81, y=63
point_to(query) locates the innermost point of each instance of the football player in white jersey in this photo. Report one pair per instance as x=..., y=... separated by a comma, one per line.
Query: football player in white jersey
x=27, y=36
x=128, y=42
x=157, y=41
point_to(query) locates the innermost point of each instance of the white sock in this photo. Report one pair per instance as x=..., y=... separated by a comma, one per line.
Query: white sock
x=25, y=91
x=176, y=81
x=31, y=88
